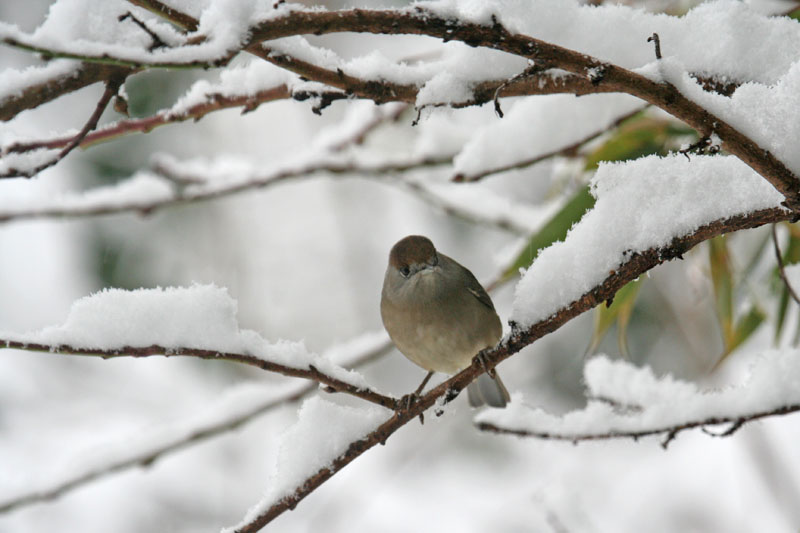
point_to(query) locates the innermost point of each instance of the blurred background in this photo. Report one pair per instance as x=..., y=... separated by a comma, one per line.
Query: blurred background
x=305, y=261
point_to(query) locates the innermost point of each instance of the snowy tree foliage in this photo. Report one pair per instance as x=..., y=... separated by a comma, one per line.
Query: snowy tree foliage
x=196, y=204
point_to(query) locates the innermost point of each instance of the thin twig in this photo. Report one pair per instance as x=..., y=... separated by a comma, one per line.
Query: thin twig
x=563, y=150
x=157, y=41
x=309, y=372
x=656, y=40
x=182, y=20
x=503, y=221
x=781, y=270
x=669, y=432
x=108, y=59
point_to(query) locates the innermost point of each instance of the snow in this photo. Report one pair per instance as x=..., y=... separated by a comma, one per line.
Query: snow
x=734, y=38
x=86, y=27
x=757, y=110
x=240, y=403
x=331, y=428
x=646, y=402
x=473, y=201
x=525, y=132
x=138, y=192
x=244, y=80
x=641, y=204
x=14, y=81
x=740, y=43
x=443, y=88
x=201, y=317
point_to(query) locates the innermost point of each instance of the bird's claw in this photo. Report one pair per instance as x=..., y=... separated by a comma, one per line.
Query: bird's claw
x=482, y=360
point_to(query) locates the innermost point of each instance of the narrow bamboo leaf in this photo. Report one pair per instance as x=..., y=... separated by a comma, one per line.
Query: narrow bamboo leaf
x=722, y=281
x=618, y=312
x=746, y=326
x=638, y=137
x=783, y=306
x=554, y=230
x=624, y=319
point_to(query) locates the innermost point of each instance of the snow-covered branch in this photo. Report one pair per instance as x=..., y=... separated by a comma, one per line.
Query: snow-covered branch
x=309, y=371
x=633, y=403
x=112, y=86
x=238, y=407
x=213, y=102
x=661, y=93
x=171, y=186
x=669, y=432
x=198, y=321
x=667, y=89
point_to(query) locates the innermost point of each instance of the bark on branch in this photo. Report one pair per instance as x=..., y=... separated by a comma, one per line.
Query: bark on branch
x=310, y=372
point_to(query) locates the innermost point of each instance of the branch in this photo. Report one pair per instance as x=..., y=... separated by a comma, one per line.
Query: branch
x=188, y=196
x=370, y=90
x=311, y=372
x=781, y=270
x=40, y=93
x=504, y=221
x=195, y=434
x=182, y=20
x=112, y=87
x=562, y=151
x=603, y=76
x=214, y=102
x=146, y=457
x=108, y=59
x=636, y=265
x=669, y=432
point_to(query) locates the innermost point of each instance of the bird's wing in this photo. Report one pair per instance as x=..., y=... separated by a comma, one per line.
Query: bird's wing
x=473, y=285
x=477, y=290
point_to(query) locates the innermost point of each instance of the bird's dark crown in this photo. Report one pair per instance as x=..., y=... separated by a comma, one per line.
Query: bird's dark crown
x=414, y=249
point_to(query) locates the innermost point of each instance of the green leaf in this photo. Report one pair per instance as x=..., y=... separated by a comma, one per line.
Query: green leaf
x=745, y=327
x=638, y=137
x=783, y=306
x=722, y=281
x=554, y=230
x=734, y=331
x=618, y=312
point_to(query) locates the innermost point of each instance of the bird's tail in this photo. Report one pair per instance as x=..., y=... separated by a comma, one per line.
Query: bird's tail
x=487, y=390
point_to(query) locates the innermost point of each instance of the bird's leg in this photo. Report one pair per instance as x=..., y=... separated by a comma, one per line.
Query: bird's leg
x=482, y=360
x=424, y=382
x=409, y=399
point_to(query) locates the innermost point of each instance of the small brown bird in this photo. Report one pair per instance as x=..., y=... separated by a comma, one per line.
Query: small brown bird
x=439, y=316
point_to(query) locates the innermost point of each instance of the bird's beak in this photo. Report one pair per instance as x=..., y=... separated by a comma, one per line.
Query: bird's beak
x=428, y=269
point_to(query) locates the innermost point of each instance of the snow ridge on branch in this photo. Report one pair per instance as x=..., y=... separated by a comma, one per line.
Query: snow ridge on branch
x=633, y=403
x=198, y=321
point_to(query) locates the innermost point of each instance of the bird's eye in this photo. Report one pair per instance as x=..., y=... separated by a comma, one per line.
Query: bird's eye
x=405, y=271
x=435, y=260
